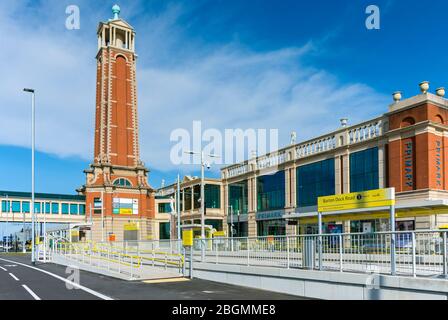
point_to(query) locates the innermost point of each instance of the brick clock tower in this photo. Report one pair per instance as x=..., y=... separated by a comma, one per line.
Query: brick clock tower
x=119, y=200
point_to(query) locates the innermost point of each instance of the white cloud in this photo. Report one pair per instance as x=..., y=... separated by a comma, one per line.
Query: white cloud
x=180, y=80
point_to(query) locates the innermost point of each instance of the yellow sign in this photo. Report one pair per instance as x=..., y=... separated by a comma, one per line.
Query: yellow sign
x=219, y=234
x=187, y=238
x=357, y=200
x=130, y=227
x=125, y=211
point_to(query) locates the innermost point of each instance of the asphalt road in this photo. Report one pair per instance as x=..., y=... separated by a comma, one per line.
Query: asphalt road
x=19, y=281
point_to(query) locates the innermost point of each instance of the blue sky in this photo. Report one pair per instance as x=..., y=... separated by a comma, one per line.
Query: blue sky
x=291, y=65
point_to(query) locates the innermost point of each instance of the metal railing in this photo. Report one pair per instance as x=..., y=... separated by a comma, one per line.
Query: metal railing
x=133, y=259
x=416, y=253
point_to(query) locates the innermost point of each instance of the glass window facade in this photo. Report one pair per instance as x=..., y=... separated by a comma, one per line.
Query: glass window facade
x=364, y=170
x=271, y=227
x=26, y=206
x=73, y=208
x=47, y=207
x=164, y=230
x=187, y=199
x=6, y=206
x=16, y=206
x=37, y=207
x=82, y=209
x=240, y=229
x=54, y=208
x=122, y=182
x=212, y=193
x=64, y=208
x=271, y=191
x=196, y=196
x=238, y=197
x=315, y=180
x=164, y=208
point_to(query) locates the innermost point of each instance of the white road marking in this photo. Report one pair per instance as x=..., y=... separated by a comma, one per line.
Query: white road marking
x=92, y=292
x=10, y=265
x=3, y=268
x=13, y=276
x=35, y=296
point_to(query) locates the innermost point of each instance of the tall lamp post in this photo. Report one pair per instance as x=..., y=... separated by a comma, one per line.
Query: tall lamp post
x=178, y=211
x=203, y=164
x=33, y=258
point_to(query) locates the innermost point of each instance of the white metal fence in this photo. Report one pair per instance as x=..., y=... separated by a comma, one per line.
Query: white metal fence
x=130, y=259
x=416, y=253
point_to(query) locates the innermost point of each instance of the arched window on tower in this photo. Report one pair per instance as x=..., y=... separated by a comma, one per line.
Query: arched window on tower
x=122, y=182
x=408, y=121
x=438, y=119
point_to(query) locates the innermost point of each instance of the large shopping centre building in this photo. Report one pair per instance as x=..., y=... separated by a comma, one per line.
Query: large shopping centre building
x=276, y=193
x=272, y=194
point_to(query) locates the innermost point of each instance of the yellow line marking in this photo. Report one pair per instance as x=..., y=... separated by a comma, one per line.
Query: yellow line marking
x=166, y=280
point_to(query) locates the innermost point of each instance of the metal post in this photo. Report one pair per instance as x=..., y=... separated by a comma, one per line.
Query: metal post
x=33, y=249
x=319, y=222
x=392, y=240
x=45, y=230
x=108, y=258
x=248, y=253
x=24, y=233
x=216, y=249
x=7, y=218
x=231, y=228
x=287, y=252
x=191, y=262
x=445, y=256
x=132, y=263
x=202, y=208
x=185, y=260
x=414, y=267
x=91, y=222
x=178, y=212
x=102, y=216
x=166, y=261
x=340, y=252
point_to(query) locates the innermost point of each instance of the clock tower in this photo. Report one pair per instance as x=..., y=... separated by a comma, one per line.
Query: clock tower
x=119, y=200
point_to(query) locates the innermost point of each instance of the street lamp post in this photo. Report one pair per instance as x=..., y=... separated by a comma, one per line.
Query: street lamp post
x=33, y=258
x=203, y=164
x=178, y=211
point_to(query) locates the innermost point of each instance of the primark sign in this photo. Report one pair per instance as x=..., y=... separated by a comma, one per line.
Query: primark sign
x=270, y=215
